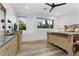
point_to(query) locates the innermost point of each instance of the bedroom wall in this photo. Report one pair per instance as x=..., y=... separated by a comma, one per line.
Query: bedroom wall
x=32, y=33
x=68, y=19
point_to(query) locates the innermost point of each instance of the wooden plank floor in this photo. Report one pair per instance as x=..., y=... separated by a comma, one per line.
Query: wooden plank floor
x=41, y=48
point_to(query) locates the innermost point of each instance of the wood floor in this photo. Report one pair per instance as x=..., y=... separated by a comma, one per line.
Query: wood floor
x=41, y=48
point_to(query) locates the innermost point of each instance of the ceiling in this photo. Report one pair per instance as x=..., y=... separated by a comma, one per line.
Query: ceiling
x=38, y=9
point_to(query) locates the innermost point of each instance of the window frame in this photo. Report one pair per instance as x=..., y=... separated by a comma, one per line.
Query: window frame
x=47, y=20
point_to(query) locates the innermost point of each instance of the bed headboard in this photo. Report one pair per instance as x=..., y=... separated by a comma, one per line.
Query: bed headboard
x=72, y=27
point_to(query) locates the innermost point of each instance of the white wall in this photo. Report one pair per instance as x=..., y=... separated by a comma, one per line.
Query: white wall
x=68, y=19
x=32, y=33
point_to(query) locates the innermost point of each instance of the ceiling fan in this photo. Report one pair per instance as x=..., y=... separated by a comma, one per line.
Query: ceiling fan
x=53, y=5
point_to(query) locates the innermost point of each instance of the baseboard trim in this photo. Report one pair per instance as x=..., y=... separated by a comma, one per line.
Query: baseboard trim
x=36, y=41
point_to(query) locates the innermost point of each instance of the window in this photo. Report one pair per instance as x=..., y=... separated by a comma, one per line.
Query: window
x=45, y=23
x=22, y=23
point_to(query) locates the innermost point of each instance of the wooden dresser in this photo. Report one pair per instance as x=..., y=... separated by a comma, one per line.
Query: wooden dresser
x=10, y=47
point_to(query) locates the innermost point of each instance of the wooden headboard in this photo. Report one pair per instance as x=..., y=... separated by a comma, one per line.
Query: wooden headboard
x=73, y=26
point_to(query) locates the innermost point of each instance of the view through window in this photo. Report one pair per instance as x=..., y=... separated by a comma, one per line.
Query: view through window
x=22, y=23
x=45, y=23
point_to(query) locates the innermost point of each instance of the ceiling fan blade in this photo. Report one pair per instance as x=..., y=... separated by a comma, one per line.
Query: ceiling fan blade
x=53, y=4
x=51, y=9
x=48, y=4
x=60, y=4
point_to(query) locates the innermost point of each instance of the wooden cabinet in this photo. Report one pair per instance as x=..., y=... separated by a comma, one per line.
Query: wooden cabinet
x=9, y=49
x=12, y=46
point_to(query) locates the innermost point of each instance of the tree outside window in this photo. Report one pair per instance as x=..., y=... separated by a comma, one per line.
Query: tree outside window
x=45, y=23
x=22, y=23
